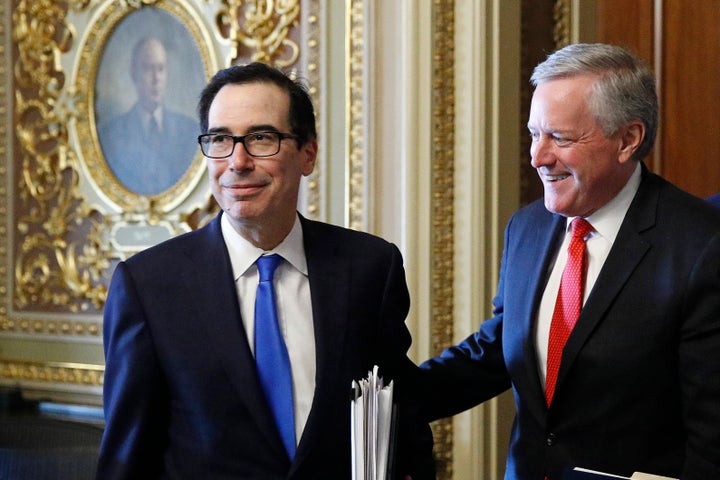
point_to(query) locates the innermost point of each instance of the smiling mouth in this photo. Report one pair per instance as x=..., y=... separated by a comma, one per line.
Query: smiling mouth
x=244, y=190
x=556, y=178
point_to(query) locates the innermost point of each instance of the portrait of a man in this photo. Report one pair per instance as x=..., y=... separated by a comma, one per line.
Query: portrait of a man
x=146, y=89
x=149, y=147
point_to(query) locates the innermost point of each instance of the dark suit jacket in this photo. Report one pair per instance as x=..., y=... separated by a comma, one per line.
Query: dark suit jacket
x=639, y=382
x=143, y=165
x=182, y=398
x=714, y=199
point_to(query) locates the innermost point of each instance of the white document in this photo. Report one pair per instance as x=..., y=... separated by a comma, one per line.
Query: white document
x=603, y=474
x=635, y=476
x=649, y=476
x=371, y=425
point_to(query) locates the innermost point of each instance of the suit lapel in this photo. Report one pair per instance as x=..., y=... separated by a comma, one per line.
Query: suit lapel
x=211, y=287
x=626, y=254
x=540, y=240
x=329, y=273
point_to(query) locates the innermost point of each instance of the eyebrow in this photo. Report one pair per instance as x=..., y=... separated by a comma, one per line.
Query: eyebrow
x=251, y=129
x=562, y=131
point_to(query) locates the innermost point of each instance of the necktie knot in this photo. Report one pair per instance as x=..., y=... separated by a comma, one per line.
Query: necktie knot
x=267, y=264
x=580, y=228
x=152, y=130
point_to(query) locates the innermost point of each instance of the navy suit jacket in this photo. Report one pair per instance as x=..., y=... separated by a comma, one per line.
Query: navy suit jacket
x=182, y=397
x=138, y=164
x=639, y=381
x=714, y=199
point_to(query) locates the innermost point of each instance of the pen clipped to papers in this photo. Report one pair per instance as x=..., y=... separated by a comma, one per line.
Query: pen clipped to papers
x=373, y=418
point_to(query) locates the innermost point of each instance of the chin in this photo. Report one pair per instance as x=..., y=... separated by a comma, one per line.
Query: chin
x=551, y=204
x=553, y=207
x=560, y=204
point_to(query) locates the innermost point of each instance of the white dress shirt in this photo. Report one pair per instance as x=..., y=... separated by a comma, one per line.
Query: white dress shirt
x=294, y=307
x=147, y=117
x=606, y=223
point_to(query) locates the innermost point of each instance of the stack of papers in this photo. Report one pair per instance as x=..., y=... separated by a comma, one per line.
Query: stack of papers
x=584, y=473
x=372, y=423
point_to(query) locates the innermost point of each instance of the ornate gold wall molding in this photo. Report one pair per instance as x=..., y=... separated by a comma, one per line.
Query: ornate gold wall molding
x=562, y=31
x=265, y=30
x=5, y=150
x=64, y=214
x=442, y=206
x=355, y=114
x=53, y=372
x=442, y=174
x=312, y=35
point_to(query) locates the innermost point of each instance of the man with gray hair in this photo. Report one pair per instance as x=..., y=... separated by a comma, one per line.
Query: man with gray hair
x=606, y=322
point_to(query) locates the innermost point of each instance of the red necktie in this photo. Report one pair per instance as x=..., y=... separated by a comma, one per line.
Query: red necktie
x=569, y=302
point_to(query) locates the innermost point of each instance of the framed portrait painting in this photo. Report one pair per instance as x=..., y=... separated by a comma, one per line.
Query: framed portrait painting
x=148, y=78
x=141, y=71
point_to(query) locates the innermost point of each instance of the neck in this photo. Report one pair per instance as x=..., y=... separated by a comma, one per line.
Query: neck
x=264, y=235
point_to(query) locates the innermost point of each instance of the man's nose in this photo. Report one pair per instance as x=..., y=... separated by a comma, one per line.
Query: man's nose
x=240, y=159
x=541, y=152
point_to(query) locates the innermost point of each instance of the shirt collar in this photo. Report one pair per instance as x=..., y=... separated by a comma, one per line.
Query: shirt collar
x=145, y=117
x=243, y=254
x=606, y=220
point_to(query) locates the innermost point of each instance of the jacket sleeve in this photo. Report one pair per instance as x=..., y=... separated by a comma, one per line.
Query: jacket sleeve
x=699, y=367
x=414, y=441
x=134, y=392
x=473, y=371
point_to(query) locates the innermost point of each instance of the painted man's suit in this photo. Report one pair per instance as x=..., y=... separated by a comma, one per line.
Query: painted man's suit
x=144, y=163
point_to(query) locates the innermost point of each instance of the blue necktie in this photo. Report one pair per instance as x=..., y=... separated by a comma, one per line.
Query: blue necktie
x=271, y=356
x=153, y=134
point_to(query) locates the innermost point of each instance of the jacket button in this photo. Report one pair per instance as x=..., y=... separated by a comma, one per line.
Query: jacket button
x=551, y=440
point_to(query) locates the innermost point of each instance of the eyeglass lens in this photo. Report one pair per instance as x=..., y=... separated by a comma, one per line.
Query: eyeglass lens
x=258, y=144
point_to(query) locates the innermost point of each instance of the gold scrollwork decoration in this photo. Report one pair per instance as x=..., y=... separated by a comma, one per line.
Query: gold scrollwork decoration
x=312, y=43
x=356, y=140
x=52, y=372
x=139, y=3
x=53, y=267
x=50, y=326
x=263, y=26
x=443, y=211
x=562, y=14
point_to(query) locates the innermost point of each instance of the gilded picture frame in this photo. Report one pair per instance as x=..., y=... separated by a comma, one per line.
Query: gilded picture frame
x=165, y=68
x=119, y=170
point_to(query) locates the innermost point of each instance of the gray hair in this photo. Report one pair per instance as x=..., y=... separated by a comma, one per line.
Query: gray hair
x=623, y=92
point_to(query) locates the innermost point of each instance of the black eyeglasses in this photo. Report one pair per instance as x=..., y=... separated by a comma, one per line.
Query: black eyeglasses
x=257, y=144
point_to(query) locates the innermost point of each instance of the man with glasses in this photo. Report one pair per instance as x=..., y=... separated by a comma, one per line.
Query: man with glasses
x=187, y=394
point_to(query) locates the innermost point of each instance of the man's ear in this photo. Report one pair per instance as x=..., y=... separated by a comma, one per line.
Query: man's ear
x=309, y=151
x=631, y=137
